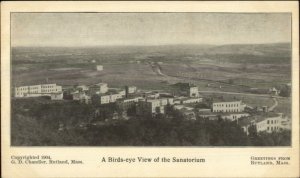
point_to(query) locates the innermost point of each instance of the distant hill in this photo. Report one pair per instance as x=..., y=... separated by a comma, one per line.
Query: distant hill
x=276, y=49
x=261, y=53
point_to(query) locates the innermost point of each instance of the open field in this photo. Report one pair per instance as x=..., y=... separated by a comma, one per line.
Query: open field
x=222, y=68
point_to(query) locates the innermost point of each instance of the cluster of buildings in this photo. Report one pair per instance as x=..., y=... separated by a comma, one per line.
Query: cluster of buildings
x=261, y=119
x=155, y=102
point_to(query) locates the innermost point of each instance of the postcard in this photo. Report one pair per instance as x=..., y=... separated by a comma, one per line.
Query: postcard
x=150, y=89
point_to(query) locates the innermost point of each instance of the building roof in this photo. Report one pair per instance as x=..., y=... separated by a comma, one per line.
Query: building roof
x=130, y=98
x=207, y=112
x=229, y=113
x=219, y=100
x=204, y=109
x=181, y=106
x=59, y=93
x=133, y=95
x=79, y=86
x=151, y=100
x=37, y=85
x=100, y=84
x=265, y=115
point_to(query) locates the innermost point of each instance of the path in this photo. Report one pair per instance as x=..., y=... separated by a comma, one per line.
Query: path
x=274, y=105
x=237, y=93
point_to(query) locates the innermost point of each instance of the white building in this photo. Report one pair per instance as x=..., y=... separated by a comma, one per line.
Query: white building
x=228, y=106
x=99, y=67
x=104, y=99
x=110, y=98
x=37, y=90
x=133, y=99
x=180, y=107
x=193, y=91
x=130, y=89
x=269, y=124
x=122, y=92
x=191, y=100
x=151, y=106
x=151, y=94
x=113, y=97
x=99, y=88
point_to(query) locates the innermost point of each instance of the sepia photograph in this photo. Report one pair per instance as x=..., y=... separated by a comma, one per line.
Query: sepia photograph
x=144, y=79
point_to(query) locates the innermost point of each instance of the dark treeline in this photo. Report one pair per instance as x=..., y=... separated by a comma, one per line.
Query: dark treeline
x=35, y=123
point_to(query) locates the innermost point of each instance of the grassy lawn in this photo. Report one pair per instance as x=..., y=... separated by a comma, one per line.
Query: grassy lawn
x=284, y=106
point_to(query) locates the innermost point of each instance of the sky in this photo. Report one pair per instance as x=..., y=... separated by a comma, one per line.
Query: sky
x=108, y=29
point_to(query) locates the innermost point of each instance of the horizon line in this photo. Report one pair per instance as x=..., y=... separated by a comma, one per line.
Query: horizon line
x=152, y=45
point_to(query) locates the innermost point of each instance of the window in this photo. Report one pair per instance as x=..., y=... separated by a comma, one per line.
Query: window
x=268, y=128
x=268, y=122
x=271, y=121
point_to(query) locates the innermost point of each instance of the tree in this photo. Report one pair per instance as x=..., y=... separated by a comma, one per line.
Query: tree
x=285, y=91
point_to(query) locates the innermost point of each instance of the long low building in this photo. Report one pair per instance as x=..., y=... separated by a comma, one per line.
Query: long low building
x=228, y=106
x=37, y=90
x=126, y=103
x=110, y=97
